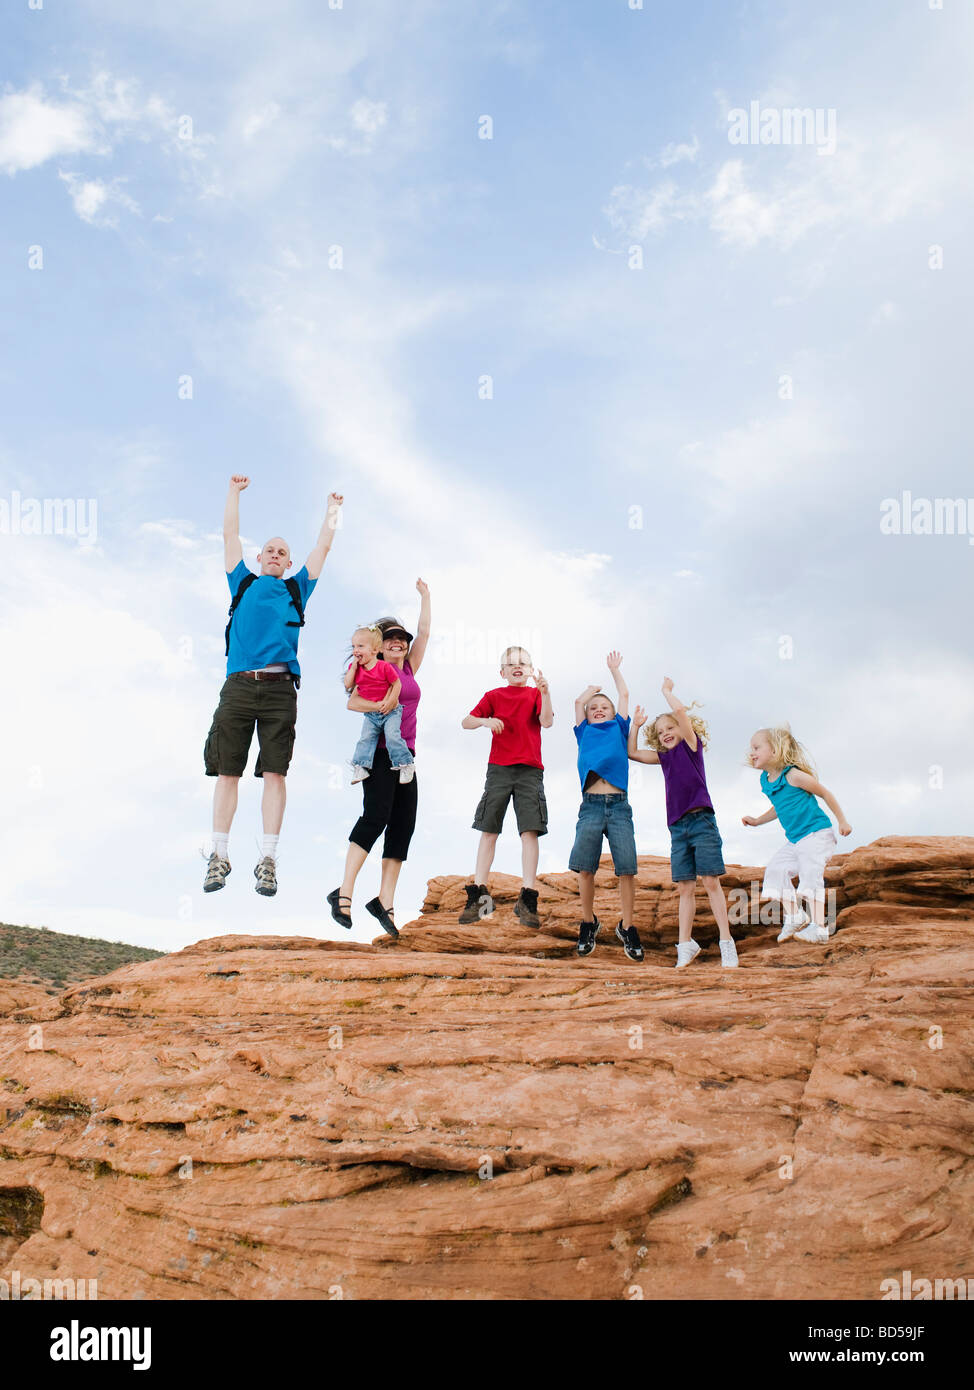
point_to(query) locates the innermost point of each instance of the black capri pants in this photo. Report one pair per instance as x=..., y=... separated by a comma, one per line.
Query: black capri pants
x=388, y=805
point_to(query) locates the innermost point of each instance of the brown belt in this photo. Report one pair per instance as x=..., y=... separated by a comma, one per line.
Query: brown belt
x=267, y=675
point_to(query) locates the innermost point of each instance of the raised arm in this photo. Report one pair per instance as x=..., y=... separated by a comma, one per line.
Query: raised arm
x=637, y=754
x=582, y=700
x=316, y=560
x=680, y=715
x=547, y=715
x=811, y=784
x=418, y=649
x=232, y=549
x=614, y=661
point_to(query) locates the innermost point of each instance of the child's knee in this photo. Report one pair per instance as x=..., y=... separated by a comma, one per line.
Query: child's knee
x=687, y=887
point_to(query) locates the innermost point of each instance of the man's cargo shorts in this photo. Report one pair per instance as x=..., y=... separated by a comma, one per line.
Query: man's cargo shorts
x=271, y=706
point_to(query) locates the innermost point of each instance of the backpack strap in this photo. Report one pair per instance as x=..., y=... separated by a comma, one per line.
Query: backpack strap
x=294, y=589
x=245, y=584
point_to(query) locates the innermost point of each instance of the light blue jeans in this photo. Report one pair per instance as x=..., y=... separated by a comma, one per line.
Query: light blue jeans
x=374, y=724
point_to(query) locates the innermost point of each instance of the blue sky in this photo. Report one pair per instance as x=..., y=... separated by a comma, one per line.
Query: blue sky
x=186, y=171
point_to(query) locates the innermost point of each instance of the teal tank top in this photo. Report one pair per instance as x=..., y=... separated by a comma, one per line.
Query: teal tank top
x=798, y=810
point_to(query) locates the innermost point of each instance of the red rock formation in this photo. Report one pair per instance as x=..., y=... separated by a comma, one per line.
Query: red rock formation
x=475, y=1112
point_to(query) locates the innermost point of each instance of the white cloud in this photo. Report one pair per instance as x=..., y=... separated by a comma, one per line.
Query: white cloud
x=259, y=120
x=675, y=154
x=33, y=129
x=91, y=196
x=368, y=116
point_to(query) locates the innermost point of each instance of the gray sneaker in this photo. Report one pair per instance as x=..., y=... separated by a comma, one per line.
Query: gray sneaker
x=266, y=876
x=216, y=873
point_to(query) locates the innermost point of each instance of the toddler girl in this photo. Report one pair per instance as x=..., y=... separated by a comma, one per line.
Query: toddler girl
x=788, y=781
x=377, y=681
x=676, y=741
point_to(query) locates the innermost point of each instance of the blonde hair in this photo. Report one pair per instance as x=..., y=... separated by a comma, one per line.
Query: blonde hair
x=698, y=725
x=373, y=632
x=525, y=654
x=599, y=695
x=786, y=751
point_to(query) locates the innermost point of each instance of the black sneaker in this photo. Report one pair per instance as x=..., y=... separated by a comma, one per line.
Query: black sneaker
x=479, y=904
x=587, y=932
x=526, y=908
x=341, y=915
x=630, y=940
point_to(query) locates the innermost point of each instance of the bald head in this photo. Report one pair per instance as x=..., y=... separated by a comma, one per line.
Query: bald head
x=275, y=558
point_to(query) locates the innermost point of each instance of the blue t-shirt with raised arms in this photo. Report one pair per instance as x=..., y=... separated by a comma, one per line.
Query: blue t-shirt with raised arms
x=259, y=635
x=603, y=749
x=798, y=810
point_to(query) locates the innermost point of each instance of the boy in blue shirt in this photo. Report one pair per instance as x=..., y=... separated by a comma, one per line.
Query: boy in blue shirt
x=266, y=617
x=603, y=768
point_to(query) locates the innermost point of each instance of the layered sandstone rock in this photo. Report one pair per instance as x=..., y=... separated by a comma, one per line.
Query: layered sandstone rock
x=475, y=1112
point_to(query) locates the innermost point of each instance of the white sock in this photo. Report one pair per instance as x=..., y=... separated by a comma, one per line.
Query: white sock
x=269, y=848
x=221, y=842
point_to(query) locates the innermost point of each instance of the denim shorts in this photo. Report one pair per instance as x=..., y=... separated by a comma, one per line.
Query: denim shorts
x=695, y=847
x=609, y=815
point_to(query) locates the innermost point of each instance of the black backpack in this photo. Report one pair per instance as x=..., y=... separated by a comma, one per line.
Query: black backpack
x=245, y=583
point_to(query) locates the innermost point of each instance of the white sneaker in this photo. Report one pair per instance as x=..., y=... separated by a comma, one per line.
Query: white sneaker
x=818, y=935
x=831, y=929
x=407, y=773
x=788, y=929
x=728, y=954
x=359, y=774
x=685, y=953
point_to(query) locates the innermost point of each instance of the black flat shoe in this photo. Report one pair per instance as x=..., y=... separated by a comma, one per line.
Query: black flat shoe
x=335, y=900
x=383, y=916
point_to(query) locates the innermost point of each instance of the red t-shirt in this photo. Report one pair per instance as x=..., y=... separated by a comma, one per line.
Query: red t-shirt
x=519, y=706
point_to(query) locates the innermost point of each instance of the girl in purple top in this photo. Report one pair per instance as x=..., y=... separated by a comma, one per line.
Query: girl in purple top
x=388, y=805
x=676, y=741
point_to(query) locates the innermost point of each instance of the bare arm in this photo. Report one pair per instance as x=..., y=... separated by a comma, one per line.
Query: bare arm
x=582, y=700
x=418, y=649
x=680, y=715
x=316, y=560
x=614, y=662
x=810, y=784
x=232, y=549
x=637, y=754
x=349, y=677
x=470, y=721
x=361, y=706
x=769, y=815
x=547, y=714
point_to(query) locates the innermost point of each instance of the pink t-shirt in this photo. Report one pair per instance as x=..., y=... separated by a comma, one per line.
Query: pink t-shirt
x=375, y=684
x=409, y=699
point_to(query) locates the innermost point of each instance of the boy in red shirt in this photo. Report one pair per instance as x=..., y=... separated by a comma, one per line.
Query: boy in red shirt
x=515, y=715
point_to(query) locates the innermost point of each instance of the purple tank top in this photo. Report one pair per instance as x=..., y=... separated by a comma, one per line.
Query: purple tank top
x=685, y=780
x=409, y=699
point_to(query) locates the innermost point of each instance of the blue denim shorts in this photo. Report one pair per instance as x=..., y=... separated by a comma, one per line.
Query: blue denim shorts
x=695, y=847
x=609, y=815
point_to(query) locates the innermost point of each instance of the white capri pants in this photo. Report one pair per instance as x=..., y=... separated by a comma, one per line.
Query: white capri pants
x=807, y=858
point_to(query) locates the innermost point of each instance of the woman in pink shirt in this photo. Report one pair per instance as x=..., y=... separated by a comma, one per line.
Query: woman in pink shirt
x=388, y=805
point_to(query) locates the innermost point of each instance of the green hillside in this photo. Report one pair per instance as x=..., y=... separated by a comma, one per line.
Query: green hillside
x=51, y=959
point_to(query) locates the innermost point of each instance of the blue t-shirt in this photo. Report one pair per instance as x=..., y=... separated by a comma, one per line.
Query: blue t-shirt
x=259, y=635
x=799, y=812
x=602, y=749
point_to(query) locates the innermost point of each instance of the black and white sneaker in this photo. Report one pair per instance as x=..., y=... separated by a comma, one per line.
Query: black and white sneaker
x=216, y=873
x=266, y=876
x=587, y=932
x=630, y=940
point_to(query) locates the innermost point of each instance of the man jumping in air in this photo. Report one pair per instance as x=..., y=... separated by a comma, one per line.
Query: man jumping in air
x=266, y=616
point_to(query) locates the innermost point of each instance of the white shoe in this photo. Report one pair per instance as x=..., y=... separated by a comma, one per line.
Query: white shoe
x=407, y=773
x=728, y=954
x=831, y=929
x=685, y=953
x=359, y=774
x=818, y=935
x=788, y=929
